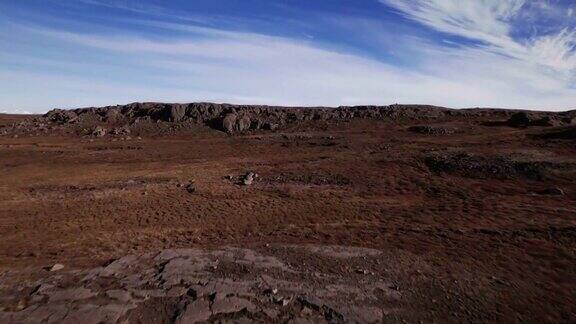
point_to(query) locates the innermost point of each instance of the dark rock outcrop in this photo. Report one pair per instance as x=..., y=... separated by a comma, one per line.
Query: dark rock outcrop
x=489, y=166
x=176, y=113
x=432, y=130
x=525, y=119
x=233, y=123
x=61, y=116
x=553, y=191
x=241, y=118
x=564, y=133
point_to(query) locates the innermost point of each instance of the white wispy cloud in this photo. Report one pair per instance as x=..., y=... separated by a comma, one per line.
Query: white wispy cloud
x=209, y=64
x=490, y=22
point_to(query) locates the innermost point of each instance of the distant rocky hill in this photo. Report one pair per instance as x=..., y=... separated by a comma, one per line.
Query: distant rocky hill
x=241, y=118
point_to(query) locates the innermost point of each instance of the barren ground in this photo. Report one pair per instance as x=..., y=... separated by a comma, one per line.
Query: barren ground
x=464, y=224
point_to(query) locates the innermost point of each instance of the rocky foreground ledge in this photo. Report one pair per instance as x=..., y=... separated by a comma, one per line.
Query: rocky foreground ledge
x=280, y=283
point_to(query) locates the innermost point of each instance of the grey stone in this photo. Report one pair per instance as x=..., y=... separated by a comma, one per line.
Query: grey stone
x=57, y=267
x=71, y=294
x=198, y=311
x=119, y=295
x=232, y=305
x=99, y=131
x=229, y=123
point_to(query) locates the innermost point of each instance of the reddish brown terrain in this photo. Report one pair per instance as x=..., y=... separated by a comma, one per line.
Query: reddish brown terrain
x=204, y=212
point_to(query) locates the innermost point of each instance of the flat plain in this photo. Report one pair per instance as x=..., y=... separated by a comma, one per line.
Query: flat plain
x=449, y=218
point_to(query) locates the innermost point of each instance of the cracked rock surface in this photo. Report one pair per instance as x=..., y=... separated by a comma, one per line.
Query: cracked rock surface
x=193, y=285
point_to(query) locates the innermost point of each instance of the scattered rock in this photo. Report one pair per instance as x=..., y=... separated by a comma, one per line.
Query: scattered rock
x=554, y=191
x=121, y=131
x=432, y=130
x=99, y=131
x=249, y=178
x=56, y=267
x=271, y=291
x=191, y=188
x=282, y=301
x=363, y=271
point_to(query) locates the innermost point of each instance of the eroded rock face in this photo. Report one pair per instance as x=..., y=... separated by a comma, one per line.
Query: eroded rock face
x=229, y=123
x=234, y=123
x=199, y=285
x=176, y=113
x=61, y=116
x=243, y=123
x=242, y=118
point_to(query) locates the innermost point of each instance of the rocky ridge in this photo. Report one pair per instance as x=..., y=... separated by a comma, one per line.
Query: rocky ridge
x=241, y=118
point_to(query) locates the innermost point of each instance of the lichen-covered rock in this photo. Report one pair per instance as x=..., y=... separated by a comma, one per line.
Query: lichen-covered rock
x=177, y=113
x=229, y=123
x=61, y=116
x=99, y=131
x=243, y=123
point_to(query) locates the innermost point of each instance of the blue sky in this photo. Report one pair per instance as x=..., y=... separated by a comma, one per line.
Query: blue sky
x=455, y=53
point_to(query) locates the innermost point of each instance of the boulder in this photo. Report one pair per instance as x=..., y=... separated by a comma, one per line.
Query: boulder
x=229, y=123
x=249, y=178
x=99, y=131
x=190, y=188
x=270, y=126
x=243, y=123
x=56, y=267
